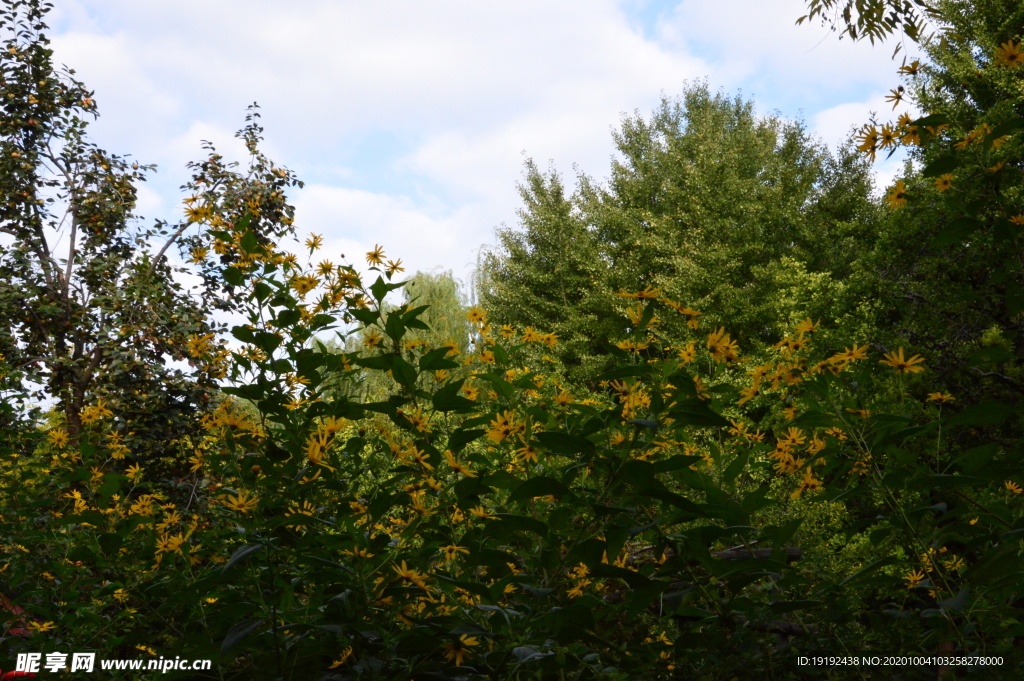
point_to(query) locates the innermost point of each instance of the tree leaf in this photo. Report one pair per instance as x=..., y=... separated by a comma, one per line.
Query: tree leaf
x=563, y=443
x=240, y=554
x=237, y=634
x=540, y=486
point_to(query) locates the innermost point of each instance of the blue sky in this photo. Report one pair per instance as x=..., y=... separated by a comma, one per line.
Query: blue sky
x=410, y=120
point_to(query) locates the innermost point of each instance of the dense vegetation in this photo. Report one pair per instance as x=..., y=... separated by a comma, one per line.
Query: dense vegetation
x=756, y=412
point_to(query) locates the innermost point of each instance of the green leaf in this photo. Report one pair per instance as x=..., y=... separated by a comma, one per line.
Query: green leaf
x=244, y=334
x=941, y=166
x=240, y=554
x=249, y=243
x=990, y=413
x=501, y=386
x=509, y=522
x=381, y=288
x=447, y=398
x=733, y=470
x=563, y=443
x=237, y=634
x=1002, y=129
x=696, y=412
x=267, y=342
x=110, y=543
x=461, y=437
x=814, y=419
x=234, y=276
x=957, y=231
x=470, y=487
x=435, y=360
x=378, y=362
x=625, y=372
x=943, y=481
x=932, y=121
x=865, y=571
x=540, y=486
x=287, y=317
x=782, y=607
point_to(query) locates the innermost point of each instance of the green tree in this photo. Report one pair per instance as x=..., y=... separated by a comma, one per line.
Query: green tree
x=945, y=269
x=95, y=330
x=711, y=204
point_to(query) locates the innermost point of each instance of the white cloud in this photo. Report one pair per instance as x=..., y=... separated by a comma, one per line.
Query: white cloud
x=410, y=120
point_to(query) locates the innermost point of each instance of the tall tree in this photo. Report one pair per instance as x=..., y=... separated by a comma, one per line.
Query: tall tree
x=89, y=317
x=711, y=203
x=945, y=271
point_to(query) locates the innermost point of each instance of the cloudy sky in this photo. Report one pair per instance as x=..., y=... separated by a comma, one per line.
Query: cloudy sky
x=410, y=120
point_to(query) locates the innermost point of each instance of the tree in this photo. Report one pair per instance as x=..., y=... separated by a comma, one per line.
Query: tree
x=872, y=19
x=96, y=329
x=945, y=270
x=710, y=204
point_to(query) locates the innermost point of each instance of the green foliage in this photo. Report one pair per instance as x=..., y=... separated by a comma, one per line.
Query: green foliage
x=92, y=330
x=471, y=515
x=873, y=19
x=710, y=205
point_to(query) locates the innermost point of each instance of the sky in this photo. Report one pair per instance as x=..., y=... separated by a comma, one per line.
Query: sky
x=410, y=121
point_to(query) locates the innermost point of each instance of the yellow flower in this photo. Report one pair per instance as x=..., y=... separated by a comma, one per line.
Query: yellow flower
x=867, y=140
x=649, y=293
x=134, y=472
x=914, y=578
x=408, y=574
x=395, y=266
x=526, y=453
x=95, y=412
x=941, y=398
x=910, y=69
x=888, y=137
x=341, y=660
x=452, y=551
x=146, y=649
x=1009, y=54
x=897, y=196
x=747, y=394
x=577, y=590
x=837, y=433
x=808, y=482
x=807, y=326
x=376, y=256
x=357, y=552
x=242, y=502
x=314, y=242
x=944, y=182
x=481, y=512
x=895, y=96
x=457, y=650
x=42, y=628
x=476, y=315
x=211, y=600
x=121, y=595
x=722, y=348
x=58, y=438
x=1013, y=487
x=169, y=543
x=904, y=366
